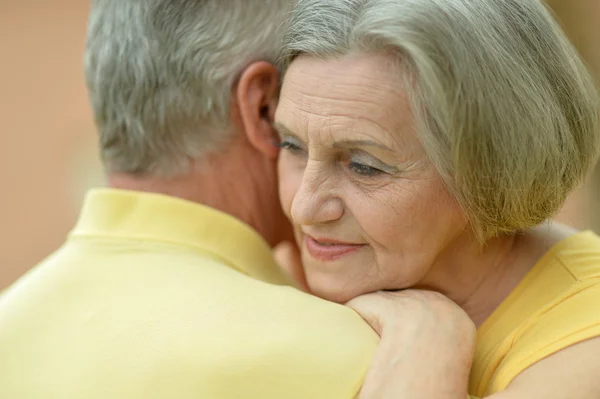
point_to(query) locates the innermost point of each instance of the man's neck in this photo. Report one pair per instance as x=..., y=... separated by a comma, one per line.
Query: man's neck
x=222, y=189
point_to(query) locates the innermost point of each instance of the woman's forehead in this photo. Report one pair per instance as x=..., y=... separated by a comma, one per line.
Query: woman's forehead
x=360, y=78
x=346, y=96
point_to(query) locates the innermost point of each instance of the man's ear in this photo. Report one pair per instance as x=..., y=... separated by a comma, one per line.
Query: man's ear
x=257, y=93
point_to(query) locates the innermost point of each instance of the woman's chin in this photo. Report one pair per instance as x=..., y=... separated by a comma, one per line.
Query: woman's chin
x=331, y=289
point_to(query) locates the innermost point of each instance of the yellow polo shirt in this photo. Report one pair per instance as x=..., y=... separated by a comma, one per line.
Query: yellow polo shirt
x=156, y=297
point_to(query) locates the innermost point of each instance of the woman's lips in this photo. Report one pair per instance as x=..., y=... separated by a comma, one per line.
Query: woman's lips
x=327, y=250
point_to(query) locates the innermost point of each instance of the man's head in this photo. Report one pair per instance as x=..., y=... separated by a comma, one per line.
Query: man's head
x=184, y=93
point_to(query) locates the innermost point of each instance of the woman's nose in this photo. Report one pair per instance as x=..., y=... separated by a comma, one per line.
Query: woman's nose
x=314, y=202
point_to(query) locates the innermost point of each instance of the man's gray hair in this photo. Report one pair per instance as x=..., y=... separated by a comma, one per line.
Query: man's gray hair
x=160, y=74
x=505, y=108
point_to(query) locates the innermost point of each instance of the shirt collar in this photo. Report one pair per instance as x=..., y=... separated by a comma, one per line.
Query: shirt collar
x=161, y=218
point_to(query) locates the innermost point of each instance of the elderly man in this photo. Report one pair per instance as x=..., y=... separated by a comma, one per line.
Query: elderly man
x=166, y=287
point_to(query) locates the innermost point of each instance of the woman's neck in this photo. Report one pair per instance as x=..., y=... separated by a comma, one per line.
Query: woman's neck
x=480, y=279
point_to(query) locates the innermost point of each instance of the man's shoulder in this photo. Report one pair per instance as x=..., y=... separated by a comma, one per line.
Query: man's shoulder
x=305, y=346
x=289, y=309
x=221, y=326
x=311, y=311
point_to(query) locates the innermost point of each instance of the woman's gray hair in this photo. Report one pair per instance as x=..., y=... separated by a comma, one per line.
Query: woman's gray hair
x=505, y=108
x=160, y=73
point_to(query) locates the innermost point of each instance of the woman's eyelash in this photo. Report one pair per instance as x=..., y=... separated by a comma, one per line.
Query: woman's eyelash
x=364, y=170
x=360, y=169
x=290, y=146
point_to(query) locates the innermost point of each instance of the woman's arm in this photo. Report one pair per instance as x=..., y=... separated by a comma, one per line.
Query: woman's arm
x=426, y=349
x=435, y=361
x=573, y=372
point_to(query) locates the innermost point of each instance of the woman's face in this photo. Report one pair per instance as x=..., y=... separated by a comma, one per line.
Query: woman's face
x=369, y=209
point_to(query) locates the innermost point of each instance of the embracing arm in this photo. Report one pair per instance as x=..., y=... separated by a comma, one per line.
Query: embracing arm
x=417, y=372
x=571, y=373
x=426, y=351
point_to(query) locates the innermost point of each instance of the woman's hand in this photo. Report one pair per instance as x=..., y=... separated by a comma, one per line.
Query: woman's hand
x=427, y=345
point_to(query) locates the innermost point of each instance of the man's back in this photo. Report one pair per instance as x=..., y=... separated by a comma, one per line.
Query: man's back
x=150, y=298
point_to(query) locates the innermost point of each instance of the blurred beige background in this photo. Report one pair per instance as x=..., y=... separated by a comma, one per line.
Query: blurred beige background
x=47, y=135
x=48, y=154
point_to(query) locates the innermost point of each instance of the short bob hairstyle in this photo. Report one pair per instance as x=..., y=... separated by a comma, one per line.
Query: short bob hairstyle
x=505, y=108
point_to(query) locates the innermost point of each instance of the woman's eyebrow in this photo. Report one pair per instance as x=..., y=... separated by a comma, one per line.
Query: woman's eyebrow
x=360, y=143
x=283, y=130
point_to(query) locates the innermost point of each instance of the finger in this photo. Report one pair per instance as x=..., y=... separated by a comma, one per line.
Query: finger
x=370, y=309
x=288, y=258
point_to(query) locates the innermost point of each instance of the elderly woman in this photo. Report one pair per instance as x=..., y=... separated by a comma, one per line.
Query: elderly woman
x=426, y=144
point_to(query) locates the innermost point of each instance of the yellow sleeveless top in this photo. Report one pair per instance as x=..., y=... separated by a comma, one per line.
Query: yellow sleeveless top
x=555, y=306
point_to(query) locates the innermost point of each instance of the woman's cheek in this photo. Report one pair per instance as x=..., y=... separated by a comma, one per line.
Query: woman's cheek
x=290, y=179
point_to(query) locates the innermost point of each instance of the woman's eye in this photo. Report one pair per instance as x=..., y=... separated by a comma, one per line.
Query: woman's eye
x=364, y=170
x=291, y=147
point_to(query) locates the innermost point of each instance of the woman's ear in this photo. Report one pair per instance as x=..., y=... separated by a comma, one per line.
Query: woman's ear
x=257, y=93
